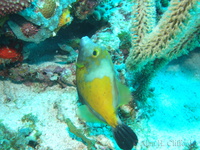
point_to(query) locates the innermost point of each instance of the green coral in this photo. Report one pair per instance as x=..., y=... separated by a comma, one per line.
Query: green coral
x=30, y=118
x=20, y=140
x=125, y=39
x=79, y=133
x=3, y=20
x=164, y=3
x=192, y=146
x=10, y=140
x=31, y=121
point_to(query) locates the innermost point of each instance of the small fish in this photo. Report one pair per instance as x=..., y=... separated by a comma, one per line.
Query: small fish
x=10, y=53
x=101, y=92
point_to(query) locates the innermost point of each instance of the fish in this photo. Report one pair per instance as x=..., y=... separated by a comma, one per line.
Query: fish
x=10, y=53
x=101, y=92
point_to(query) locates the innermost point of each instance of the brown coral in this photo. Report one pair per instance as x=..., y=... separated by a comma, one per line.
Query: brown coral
x=168, y=40
x=29, y=29
x=176, y=33
x=83, y=8
x=47, y=8
x=13, y=6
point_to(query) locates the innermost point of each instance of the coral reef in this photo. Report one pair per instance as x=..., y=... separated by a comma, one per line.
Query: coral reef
x=192, y=146
x=79, y=133
x=2, y=21
x=29, y=29
x=47, y=7
x=50, y=74
x=72, y=54
x=11, y=53
x=39, y=93
x=177, y=24
x=10, y=139
x=22, y=139
x=40, y=21
x=13, y=6
x=153, y=46
x=83, y=8
x=65, y=18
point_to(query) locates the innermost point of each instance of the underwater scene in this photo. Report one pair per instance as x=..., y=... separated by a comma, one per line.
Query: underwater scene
x=99, y=75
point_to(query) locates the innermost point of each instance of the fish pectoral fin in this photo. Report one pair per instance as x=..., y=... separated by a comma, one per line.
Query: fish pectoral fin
x=85, y=114
x=78, y=65
x=124, y=94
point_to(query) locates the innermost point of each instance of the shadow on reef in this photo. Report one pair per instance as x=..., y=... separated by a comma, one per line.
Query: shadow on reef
x=46, y=50
x=78, y=28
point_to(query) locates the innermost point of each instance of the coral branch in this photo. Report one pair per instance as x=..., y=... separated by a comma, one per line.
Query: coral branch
x=143, y=19
x=176, y=33
x=173, y=31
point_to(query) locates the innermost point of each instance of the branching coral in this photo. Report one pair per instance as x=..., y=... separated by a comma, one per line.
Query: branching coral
x=154, y=46
x=143, y=19
x=168, y=38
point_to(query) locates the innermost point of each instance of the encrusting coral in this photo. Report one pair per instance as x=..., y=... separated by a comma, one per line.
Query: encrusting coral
x=43, y=19
x=79, y=133
x=153, y=46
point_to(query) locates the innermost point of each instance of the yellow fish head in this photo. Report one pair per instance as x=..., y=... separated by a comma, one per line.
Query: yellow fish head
x=91, y=54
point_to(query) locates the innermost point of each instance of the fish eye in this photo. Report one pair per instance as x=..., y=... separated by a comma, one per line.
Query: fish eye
x=95, y=53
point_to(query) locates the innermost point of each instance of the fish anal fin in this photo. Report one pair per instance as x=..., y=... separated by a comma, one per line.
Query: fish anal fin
x=124, y=94
x=85, y=114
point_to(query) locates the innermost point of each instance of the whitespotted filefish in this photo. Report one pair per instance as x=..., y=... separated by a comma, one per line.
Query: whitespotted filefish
x=101, y=92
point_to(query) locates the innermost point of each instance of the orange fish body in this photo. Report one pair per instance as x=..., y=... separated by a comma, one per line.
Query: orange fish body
x=10, y=53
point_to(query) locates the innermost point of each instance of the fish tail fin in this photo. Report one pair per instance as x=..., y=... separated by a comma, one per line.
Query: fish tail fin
x=125, y=137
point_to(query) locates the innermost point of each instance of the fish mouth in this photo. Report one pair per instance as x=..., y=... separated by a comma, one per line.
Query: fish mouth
x=85, y=41
x=86, y=46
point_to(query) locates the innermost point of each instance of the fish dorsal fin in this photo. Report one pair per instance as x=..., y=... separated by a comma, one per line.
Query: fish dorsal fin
x=85, y=114
x=124, y=94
